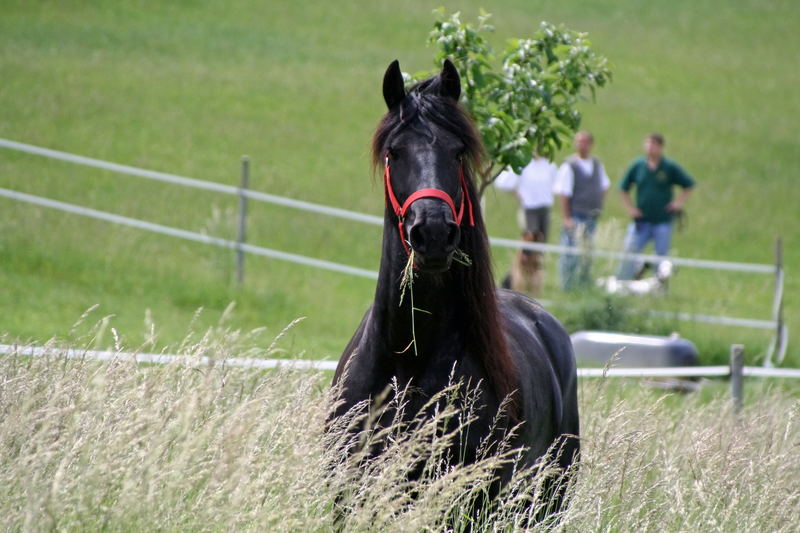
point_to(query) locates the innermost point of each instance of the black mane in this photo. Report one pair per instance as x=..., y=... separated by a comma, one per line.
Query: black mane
x=424, y=106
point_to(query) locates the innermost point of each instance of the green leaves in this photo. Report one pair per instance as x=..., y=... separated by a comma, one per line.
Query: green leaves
x=528, y=103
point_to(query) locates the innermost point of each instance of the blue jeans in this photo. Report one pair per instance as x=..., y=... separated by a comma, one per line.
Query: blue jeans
x=638, y=235
x=574, y=270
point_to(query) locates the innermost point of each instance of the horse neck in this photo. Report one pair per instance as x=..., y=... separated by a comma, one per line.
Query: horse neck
x=460, y=319
x=446, y=314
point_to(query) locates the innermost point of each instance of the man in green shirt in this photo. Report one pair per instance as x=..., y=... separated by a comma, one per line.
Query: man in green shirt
x=653, y=176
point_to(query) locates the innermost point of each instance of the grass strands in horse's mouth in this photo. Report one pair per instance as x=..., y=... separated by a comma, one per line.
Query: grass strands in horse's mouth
x=407, y=282
x=461, y=257
x=407, y=279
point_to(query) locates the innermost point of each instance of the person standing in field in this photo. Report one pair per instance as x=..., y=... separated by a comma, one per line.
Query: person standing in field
x=581, y=185
x=654, y=178
x=534, y=189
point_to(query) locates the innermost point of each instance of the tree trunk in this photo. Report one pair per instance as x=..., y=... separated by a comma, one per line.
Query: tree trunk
x=487, y=177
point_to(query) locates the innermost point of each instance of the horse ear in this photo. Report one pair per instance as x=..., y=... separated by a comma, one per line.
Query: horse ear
x=450, y=81
x=394, y=90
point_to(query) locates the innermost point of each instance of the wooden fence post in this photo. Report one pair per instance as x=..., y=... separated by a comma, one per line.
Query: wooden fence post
x=242, y=234
x=737, y=376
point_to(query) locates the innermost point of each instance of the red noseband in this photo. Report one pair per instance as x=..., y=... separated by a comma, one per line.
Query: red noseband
x=401, y=210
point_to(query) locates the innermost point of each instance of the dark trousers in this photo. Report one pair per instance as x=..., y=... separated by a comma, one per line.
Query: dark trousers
x=536, y=219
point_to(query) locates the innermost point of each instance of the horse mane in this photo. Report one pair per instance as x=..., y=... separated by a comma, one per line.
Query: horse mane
x=484, y=330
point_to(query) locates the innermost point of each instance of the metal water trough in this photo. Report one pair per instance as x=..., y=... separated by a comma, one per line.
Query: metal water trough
x=597, y=347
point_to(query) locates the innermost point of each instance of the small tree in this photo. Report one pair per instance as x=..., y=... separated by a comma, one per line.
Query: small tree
x=529, y=103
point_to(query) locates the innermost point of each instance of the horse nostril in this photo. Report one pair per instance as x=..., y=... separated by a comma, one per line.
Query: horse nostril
x=453, y=236
x=416, y=238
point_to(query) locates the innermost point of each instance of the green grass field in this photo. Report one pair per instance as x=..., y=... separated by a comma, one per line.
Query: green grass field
x=189, y=87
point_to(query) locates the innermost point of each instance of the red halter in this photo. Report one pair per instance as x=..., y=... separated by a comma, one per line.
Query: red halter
x=401, y=210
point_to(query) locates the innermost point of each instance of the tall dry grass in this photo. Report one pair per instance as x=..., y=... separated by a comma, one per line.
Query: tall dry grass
x=88, y=446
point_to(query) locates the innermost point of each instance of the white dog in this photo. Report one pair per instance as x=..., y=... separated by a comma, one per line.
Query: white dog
x=653, y=285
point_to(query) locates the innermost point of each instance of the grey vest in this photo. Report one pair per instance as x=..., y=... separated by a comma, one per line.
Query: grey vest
x=587, y=190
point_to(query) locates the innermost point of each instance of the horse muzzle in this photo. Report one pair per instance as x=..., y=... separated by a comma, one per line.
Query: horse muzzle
x=433, y=235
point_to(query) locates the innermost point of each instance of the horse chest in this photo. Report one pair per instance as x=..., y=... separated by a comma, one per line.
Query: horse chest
x=466, y=389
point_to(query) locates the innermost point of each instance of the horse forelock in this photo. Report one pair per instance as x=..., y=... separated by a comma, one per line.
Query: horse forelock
x=423, y=109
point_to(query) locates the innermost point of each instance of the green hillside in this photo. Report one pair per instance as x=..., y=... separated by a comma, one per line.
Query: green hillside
x=189, y=87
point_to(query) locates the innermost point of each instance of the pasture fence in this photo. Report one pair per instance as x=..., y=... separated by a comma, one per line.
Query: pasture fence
x=775, y=353
x=736, y=371
x=187, y=235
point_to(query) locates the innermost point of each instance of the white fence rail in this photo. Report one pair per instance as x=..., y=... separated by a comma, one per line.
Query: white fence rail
x=310, y=364
x=736, y=371
x=191, y=182
x=187, y=235
x=775, y=353
x=308, y=261
x=164, y=359
x=356, y=216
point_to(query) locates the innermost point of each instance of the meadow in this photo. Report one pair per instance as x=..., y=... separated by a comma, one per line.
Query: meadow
x=189, y=88
x=191, y=447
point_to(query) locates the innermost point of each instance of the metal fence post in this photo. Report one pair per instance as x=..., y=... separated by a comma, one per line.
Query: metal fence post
x=242, y=234
x=780, y=348
x=777, y=348
x=737, y=376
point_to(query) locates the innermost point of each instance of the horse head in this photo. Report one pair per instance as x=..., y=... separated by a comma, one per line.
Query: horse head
x=424, y=157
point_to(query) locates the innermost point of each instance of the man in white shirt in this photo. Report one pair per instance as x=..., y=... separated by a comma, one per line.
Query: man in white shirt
x=534, y=188
x=581, y=184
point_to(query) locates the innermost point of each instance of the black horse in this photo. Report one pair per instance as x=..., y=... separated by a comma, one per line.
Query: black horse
x=460, y=326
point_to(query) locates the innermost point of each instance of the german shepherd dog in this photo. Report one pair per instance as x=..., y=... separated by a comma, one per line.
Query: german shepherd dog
x=527, y=270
